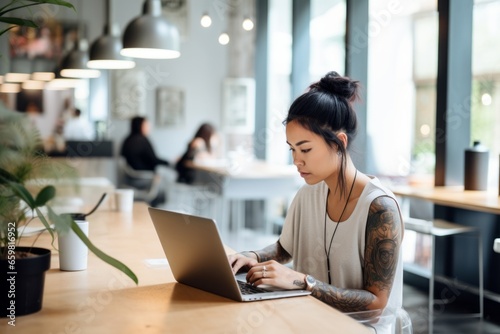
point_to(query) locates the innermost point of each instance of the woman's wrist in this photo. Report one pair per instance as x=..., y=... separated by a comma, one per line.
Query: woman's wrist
x=251, y=254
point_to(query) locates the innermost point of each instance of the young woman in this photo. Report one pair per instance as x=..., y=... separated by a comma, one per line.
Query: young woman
x=199, y=148
x=343, y=230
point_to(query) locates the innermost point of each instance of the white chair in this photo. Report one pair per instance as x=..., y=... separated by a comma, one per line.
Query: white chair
x=398, y=323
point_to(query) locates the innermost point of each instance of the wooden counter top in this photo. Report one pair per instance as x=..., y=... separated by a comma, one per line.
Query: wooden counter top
x=103, y=300
x=457, y=197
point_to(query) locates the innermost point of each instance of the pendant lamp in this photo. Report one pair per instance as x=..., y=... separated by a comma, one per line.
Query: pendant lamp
x=151, y=35
x=105, y=51
x=74, y=64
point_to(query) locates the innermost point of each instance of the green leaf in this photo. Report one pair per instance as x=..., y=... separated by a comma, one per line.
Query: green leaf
x=45, y=195
x=45, y=223
x=19, y=22
x=6, y=9
x=22, y=193
x=5, y=30
x=54, y=2
x=6, y=176
x=62, y=222
x=103, y=256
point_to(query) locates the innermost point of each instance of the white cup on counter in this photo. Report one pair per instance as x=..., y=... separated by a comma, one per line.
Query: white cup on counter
x=73, y=253
x=124, y=200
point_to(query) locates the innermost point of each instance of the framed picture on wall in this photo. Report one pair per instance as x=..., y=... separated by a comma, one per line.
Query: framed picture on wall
x=129, y=93
x=239, y=105
x=169, y=106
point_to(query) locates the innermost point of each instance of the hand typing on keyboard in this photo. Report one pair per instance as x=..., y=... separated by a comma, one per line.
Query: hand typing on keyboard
x=267, y=273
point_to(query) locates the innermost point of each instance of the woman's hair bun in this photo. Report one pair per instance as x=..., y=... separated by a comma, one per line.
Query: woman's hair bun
x=336, y=84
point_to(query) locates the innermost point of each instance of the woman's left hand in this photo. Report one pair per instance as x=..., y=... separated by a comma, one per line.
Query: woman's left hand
x=277, y=275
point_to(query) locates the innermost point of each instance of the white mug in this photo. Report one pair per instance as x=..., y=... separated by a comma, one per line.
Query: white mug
x=124, y=200
x=73, y=253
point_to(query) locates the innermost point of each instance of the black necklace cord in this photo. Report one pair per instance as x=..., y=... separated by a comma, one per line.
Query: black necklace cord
x=327, y=252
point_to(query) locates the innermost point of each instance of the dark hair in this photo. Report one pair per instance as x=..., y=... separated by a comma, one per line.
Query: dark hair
x=205, y=131
x=326, y=109
x=78, y=112
x=136, y=124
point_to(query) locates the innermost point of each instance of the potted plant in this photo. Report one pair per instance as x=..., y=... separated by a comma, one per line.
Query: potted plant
x=22, y=161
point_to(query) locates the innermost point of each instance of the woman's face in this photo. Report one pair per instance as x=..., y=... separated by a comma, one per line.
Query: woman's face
x=315, y=160
x=145, y=128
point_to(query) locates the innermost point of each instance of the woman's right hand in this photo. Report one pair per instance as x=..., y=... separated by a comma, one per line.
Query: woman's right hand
x=240, y=260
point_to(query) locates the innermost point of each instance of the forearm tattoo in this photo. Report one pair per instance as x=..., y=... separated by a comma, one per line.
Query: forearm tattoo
x=274, y=252
x=345, y=300
x=383, y=238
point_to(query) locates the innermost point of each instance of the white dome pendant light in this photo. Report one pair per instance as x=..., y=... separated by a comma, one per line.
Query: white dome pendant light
x=151, y=35
x=105, y=51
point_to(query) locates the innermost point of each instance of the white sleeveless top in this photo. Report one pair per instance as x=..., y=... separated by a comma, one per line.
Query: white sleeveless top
x=303, y=237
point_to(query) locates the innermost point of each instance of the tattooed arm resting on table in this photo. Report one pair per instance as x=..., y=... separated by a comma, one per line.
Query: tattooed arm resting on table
x=383, y=240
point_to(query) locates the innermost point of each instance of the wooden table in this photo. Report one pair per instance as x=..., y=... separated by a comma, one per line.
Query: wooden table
x=103, y=300
x=457, y=197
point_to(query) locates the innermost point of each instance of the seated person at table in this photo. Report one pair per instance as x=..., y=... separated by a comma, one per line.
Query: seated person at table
x=140, y=155
x=137, y=148
x=201, y=147
x=343, y=229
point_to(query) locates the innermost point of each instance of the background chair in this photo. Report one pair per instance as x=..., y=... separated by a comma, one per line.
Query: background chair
x=146, y=184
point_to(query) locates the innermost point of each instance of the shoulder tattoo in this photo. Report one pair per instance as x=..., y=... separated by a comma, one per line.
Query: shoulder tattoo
x=383, y=239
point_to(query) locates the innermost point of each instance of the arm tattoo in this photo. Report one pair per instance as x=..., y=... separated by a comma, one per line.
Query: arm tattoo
x=300, y=284
x=274, y=252
x=383, y=239
x=345, y=300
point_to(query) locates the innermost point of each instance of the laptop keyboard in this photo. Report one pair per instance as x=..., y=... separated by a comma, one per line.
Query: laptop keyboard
x=249, y=289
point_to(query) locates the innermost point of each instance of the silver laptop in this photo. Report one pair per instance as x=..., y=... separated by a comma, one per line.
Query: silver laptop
x=197, y=258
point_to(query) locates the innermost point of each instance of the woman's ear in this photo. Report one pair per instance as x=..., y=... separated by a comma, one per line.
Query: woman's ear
x=342, y=136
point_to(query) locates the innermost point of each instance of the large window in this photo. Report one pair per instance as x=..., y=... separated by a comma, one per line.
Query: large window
x=402, y=86
x=402, y=47
x=485, y=99
x=425, y=52
x=327, y=37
